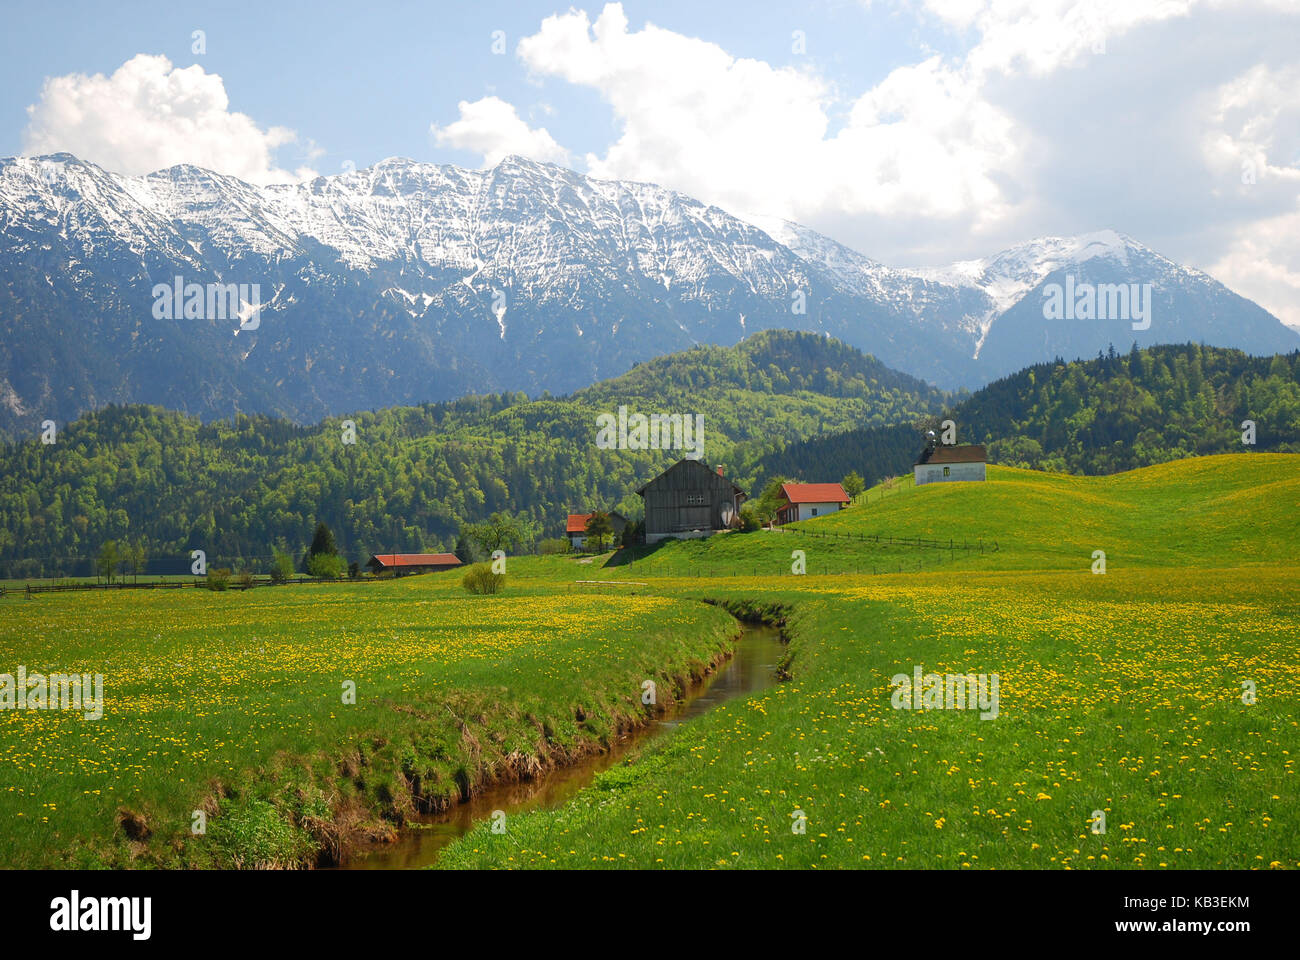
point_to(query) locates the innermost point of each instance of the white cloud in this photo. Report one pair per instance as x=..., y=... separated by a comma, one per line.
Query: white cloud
x=491, y=127
x=926, y=142
x=1263, y=263
x=746, y=135
x=149, y=115
x=1253, y=142
x=1039, y=36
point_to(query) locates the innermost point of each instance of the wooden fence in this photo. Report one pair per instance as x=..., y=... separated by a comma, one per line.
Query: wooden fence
x=891, y=541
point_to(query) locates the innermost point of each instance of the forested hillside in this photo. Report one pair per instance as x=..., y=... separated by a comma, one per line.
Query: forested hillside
x=779, y=404
x=1114, y=413
x=415, y=474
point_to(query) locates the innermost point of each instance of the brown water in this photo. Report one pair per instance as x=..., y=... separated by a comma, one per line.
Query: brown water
x=750, y=669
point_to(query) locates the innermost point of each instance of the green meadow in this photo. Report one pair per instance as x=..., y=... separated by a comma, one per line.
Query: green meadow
x=1164, y=695
x=1120, y=694
x=236, y=705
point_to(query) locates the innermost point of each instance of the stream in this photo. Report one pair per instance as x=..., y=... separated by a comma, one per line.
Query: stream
x=751, y=668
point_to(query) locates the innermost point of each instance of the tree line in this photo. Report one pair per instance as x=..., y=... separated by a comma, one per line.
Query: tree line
x=253, y=488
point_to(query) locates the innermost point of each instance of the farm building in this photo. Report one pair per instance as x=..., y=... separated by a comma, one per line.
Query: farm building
x=803, y=501
x=576, y=528
x=401, y=564
x=690, y=499
x=939, y=463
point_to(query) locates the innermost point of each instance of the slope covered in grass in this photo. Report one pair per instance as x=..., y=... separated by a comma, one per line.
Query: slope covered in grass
x=1205, y=511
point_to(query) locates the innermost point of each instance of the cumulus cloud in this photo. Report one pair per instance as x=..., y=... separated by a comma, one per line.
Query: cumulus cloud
x=149, y=115
x=926, y=142
x=493, y=128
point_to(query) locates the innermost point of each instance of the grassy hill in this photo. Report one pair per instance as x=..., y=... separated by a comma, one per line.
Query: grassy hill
x=1205, y=512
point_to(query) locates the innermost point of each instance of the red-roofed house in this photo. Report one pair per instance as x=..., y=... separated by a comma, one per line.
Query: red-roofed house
x=576, y=527
x=804, y=501
x=400, y=564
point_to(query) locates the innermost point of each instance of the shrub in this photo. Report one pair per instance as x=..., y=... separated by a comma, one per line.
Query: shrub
x=281, y=566
x=327, y=566
x=557, y=545
x=244, y=579
x=254, y=835
x=480, y=579
x=218, y=578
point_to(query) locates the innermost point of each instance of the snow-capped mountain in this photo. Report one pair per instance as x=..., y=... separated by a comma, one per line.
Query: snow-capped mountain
x=409, y=282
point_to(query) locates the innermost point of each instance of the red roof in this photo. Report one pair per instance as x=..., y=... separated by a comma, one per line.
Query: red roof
x=814, y=493
x=577, y=523
x=417, y=559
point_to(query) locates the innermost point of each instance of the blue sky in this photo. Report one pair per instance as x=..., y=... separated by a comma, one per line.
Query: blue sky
x=365, y=82
x=917, y=131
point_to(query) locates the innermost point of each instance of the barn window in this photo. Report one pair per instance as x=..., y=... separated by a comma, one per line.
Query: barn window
x=695, y=499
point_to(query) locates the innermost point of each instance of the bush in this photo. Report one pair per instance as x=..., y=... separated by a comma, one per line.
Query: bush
x=244, y=580
x=558, y=545
x=281, y=566
x=253, y=835
x=327, y=566
x=480, y=579
x=632, y=534
x=218, y=578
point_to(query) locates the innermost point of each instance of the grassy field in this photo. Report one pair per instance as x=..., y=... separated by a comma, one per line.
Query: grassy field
x=1121, y=693
x=233, y=703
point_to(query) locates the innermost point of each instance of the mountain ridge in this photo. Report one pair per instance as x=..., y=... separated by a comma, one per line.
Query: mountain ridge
x=409, y=282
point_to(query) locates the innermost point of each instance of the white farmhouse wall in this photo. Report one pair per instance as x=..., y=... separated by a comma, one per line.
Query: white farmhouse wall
x=809, y=510
x=947, y=472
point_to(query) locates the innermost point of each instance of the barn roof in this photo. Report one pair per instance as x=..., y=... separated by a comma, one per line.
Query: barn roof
x=972, y=453
x=680, y=465
x=416, y=559
x=814, y=492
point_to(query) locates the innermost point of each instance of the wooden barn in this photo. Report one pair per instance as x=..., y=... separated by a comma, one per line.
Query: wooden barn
x=690, y=499
x=576, y=527
x=803, y=501
x=401, y=564
x=941, y=463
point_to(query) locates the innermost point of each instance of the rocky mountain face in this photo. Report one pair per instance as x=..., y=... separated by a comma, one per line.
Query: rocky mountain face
x=410, y=282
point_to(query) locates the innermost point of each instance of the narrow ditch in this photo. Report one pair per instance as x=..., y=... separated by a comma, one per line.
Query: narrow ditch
x=755, y=665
